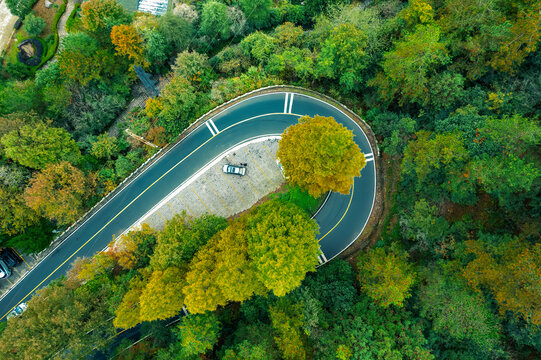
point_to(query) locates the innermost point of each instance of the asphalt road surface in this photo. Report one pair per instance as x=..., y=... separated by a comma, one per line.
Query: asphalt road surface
x=341, y=220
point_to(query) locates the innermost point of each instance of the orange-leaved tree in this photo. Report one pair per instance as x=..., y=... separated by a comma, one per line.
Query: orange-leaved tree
x=59, y=192
x=128, y=41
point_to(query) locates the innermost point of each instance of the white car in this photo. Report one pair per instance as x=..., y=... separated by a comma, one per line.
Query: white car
x=19, y=309
x=234, y=169
x=5, y=271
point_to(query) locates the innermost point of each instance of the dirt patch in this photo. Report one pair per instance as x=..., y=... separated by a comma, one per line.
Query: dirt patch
x=47, y=15
x=480, y=211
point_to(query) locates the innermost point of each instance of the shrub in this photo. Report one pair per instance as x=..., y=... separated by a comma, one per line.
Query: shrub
x=33, y=25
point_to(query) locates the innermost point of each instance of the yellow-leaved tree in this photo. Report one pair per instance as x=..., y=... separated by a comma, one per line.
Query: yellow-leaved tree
x=512, y=272
x=282, y=245
x=319, y=155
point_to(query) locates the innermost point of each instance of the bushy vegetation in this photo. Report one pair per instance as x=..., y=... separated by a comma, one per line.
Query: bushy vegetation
x=451, y=90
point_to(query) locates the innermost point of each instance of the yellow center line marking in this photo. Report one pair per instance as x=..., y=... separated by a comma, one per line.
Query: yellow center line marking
x=225, y=177
x=268, y=151
x=185, y=204
x=135, y=199
x=259, y=167
x=205, y=205
x=22, y=258
x=345, y=212
x=219, y=197
x=172, y=208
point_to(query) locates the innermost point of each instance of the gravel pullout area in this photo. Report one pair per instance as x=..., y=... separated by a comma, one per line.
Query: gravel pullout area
x=212, y=191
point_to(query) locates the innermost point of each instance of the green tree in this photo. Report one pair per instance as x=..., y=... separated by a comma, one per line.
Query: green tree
x=77, y=322
x=177, y=103
x=288, y=35
x=428, y=153
x=82, y=60
x=99, y=16
x=282, y=245
x=257, y=12
x=286, y=319
x=13, y=176
x=104, y=147
x=504, y=175
x=176, y=31
x=424, y=226
x=292, y=64
x=459, y=313
x=199, y=333
x=408, y=67
x=214, y=20
x=514, y=133
x=194, y=67
x=38, y=145
x=343, y=56
x=134, y=249
x=181, y=239
x=20, y=7
x=34, y=239
x=59, y=192
x=319, y=155
x=365, y=330
x=33, y=25
x=156, y=48
x=489, y=34
x=386, y=276
x=258, y=46
x=20, y=96
x=394, y=144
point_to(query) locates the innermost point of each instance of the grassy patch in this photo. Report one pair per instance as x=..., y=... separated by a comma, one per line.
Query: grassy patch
x=302, y=199
x=49, y=38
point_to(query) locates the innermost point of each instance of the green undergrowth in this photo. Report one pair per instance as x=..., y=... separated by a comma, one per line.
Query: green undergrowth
x=302, y=199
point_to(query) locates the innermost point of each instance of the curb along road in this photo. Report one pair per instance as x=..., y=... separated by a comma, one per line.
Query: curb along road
x=265, y=111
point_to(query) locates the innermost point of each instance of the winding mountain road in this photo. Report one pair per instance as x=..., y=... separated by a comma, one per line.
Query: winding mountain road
x=341, y=219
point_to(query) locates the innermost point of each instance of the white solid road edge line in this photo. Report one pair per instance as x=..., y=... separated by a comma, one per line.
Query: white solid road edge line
x=290, y=103
x=195, y=176
x=210, y=128
x=214, y=126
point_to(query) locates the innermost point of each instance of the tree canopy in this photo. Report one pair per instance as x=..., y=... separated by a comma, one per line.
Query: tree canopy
x=320, y=155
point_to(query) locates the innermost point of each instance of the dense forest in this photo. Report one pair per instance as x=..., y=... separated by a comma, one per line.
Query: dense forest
x=452, y=90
